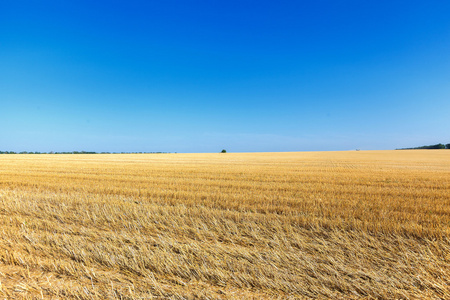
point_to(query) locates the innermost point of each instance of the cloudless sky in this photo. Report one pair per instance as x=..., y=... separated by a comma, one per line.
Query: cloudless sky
x=202, y=76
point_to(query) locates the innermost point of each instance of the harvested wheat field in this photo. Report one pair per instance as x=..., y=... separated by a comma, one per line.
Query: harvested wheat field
x=338, y=225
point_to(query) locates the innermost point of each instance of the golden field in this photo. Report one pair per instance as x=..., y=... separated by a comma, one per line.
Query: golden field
x=337, y=225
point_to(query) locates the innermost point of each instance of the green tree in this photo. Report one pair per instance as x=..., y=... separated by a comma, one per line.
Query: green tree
x=223, y=151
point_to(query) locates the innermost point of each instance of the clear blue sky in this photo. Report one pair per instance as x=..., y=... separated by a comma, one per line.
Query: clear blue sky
x=200, y=76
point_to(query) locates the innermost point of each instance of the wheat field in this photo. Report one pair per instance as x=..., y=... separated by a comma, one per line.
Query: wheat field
x=324, y=225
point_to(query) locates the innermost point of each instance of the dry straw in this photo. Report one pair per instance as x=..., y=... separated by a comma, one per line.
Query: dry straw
x=340, y=225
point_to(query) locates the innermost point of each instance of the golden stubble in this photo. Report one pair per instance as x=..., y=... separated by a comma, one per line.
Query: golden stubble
x=356, y=224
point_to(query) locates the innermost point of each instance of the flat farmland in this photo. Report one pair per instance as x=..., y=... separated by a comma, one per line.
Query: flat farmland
x=338, y=225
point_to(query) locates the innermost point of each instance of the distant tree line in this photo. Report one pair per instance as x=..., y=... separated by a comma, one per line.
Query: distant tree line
x=437, y=146
x=78, y=152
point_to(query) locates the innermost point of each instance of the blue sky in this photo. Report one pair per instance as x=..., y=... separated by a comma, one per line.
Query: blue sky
x=201, y=76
